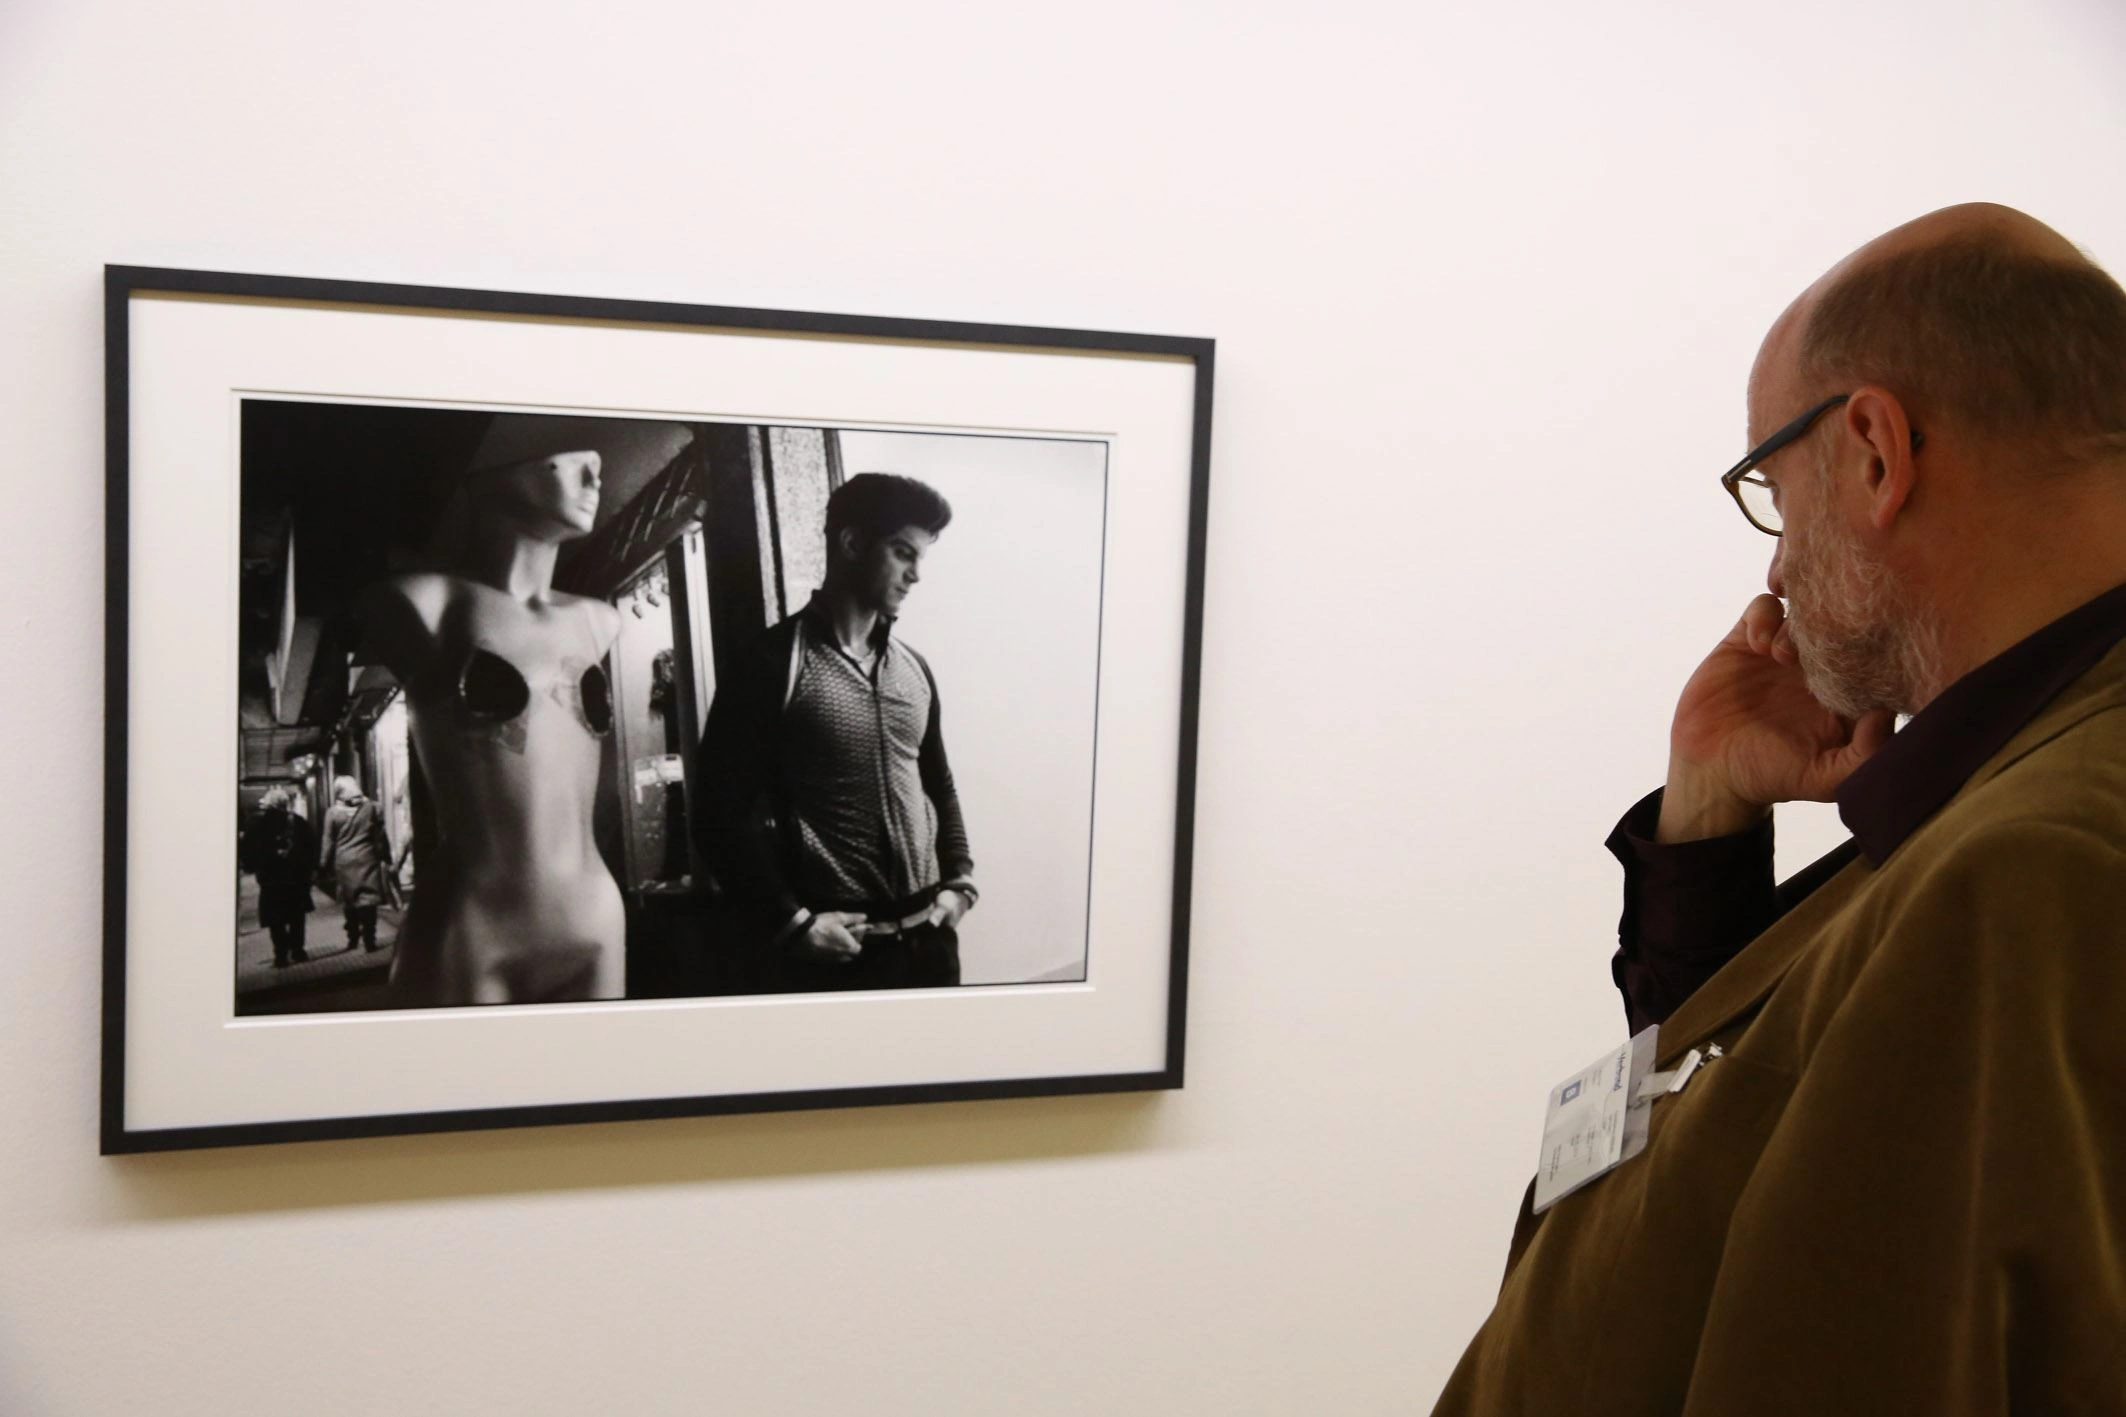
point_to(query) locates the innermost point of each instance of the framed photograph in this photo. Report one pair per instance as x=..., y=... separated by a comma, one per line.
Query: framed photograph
x=527, y=709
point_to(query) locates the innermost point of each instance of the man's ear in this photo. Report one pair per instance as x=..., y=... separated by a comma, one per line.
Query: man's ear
x=849, y=543
x=1880, y=432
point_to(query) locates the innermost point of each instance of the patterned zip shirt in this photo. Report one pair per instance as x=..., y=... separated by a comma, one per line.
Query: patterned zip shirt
x=848, y=759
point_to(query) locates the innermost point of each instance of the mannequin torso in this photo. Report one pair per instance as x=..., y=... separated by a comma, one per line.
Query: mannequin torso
x=508, y=705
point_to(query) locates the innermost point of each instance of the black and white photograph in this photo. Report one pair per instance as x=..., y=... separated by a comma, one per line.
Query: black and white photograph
x=544, y=708
x=634, y=709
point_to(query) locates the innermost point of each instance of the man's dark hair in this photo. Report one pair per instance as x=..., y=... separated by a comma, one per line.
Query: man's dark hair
x=879, y=504
x=2018, y=346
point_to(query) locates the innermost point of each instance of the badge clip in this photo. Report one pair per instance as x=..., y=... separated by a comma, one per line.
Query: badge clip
x=1667, y=1084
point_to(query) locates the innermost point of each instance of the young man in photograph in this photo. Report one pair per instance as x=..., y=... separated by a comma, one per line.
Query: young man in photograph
x=828, y=814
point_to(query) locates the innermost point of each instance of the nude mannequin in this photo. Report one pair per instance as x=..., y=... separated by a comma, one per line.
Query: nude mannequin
x=508, y=704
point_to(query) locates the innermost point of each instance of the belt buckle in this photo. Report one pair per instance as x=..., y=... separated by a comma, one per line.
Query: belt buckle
x=889, y=929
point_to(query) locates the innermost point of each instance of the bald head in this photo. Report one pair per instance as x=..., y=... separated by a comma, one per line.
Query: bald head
x=1977, y=317
x=2003, y=228
x=1972, y=486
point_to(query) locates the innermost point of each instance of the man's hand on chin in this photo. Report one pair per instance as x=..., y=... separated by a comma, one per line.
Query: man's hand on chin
x=1747, y=734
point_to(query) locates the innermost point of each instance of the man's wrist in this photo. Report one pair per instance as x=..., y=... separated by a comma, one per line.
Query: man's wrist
x=1693, y=808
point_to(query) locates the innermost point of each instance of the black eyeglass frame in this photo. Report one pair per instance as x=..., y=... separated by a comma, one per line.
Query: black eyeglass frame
x=1734, y=476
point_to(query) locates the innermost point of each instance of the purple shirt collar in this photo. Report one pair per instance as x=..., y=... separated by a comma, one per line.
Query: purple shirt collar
x=1928, y=761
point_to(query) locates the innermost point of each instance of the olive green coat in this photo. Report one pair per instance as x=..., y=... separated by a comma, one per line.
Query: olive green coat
x=1902, y=1189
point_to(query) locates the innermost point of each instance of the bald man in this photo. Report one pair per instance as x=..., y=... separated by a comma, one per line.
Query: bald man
x=1897, y=1183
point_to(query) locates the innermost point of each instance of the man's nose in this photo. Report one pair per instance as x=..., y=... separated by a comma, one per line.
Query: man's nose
x=1775, y=576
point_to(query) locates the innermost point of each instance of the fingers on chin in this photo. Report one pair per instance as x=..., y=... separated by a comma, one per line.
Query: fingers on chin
x=1764, y=623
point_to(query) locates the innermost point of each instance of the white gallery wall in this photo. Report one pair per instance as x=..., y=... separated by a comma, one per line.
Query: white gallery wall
x=1486, y=281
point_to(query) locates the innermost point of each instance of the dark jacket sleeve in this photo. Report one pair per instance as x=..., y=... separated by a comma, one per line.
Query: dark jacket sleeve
x=955, y=856
x=1690, y=907
x=734, y=823
x=254, y=849
x=302, y=845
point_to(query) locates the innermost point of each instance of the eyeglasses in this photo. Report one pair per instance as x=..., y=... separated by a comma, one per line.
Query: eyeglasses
x=1753, y=494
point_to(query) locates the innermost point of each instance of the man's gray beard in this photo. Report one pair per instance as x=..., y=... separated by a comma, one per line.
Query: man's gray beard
x=1862, y=644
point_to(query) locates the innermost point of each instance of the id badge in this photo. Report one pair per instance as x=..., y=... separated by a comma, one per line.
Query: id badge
x=1598, y=1117
x=1596, y=1120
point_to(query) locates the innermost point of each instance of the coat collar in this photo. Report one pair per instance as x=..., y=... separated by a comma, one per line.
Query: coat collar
x=1749, y=977
x=820, y=623
x=1932, y=757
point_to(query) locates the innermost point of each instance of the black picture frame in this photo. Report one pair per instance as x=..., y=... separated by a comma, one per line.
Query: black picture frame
x=132, y=1012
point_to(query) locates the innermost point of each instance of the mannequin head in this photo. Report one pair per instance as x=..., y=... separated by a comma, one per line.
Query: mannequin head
x=547, y=499
x=551, y=498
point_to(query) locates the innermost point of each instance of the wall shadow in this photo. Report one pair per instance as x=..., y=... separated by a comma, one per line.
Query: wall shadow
x=379, y=1171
